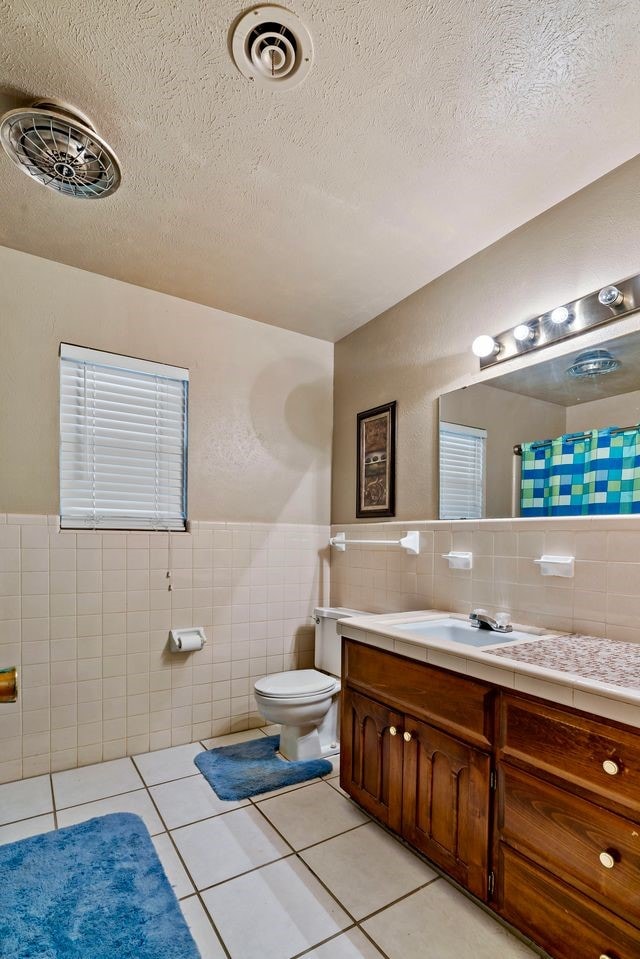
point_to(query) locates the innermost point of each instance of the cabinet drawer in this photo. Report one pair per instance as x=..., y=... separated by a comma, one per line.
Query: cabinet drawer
x=567, y=835
x=561, y=920
x=573, y=748
x=455, y=703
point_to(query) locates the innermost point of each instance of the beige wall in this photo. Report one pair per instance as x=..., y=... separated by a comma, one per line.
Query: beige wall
x=421, y=347
x=623, y=410
x=260, y=397
x=508, y=419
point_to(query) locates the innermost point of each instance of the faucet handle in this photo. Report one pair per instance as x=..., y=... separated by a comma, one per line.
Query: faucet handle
x=503, y=619
x=477, y=612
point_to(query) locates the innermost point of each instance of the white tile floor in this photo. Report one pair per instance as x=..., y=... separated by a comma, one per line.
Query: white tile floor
x=314, y=875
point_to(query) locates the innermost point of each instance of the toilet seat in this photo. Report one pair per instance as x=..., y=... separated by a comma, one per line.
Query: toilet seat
x=297, y=683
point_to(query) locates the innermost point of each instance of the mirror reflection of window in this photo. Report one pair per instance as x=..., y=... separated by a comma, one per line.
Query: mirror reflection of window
x=462, y=471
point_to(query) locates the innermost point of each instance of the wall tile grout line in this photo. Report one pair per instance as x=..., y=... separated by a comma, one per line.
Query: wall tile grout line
x=90, y=626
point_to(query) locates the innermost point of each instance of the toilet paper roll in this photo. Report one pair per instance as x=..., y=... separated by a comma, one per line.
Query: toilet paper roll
x=186, y=640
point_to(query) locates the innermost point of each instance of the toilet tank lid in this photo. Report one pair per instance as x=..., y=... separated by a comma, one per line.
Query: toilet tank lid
x=337, y=612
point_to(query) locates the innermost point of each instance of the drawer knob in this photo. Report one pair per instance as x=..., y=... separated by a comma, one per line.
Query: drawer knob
x=393, y=731
x=605, y=955
x=607, y=860
x=407, y=737
x=611, y=767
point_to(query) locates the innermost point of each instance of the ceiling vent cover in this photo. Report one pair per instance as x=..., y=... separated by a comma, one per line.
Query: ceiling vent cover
x=271, y=46
x=57, y=146
x=594, y=363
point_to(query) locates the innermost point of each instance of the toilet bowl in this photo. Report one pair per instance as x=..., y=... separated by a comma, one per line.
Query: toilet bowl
x=305, y=702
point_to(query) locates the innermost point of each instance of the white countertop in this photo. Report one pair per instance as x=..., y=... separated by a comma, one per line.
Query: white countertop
x=591, y=677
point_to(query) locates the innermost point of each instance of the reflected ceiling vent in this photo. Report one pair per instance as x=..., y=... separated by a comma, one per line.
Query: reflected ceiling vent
x=57, y=146
x=272, y=47
x=593, y=363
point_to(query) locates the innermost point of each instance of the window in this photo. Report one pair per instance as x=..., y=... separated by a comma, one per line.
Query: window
x=462, y=471
x=123, y=442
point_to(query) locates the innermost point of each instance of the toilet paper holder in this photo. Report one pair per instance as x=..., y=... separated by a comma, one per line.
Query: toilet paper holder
x=187, y=640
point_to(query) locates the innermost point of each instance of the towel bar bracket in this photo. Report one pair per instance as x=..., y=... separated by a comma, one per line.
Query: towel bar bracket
x=410, y=541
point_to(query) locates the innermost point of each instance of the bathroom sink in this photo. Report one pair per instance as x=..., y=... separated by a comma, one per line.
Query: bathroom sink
x=457, y=631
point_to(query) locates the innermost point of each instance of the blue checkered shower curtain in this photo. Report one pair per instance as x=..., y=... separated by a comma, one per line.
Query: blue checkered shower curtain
x=582, y=474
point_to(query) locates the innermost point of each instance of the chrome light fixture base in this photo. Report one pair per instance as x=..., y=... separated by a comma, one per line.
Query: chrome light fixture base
x=566, y=320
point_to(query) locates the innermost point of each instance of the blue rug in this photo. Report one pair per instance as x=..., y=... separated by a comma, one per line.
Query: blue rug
x=92, y=891
x=247, y=769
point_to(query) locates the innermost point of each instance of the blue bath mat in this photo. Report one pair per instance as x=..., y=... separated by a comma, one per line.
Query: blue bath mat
x=91, y=891
x=247, y=769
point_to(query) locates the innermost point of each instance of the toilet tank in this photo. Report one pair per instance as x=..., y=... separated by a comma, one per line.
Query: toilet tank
x=328, y=641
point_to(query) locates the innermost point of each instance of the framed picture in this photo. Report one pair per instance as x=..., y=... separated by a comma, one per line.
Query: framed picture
x=376, y=438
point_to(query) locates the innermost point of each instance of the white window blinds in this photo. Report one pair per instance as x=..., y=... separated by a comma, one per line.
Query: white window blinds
x=123, y=442
x=462, y=471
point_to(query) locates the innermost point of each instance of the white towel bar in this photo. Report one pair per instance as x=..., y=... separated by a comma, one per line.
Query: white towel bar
x=410, y=542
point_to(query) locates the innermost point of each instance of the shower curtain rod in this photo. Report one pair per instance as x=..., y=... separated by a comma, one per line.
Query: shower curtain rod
x=517, y=449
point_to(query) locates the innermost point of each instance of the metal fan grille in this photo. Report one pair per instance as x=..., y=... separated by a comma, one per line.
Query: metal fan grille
x=65, y=156
x=594, y=363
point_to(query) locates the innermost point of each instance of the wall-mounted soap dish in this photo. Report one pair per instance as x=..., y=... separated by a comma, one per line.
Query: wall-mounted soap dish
x=459, y=560
x=556, y=565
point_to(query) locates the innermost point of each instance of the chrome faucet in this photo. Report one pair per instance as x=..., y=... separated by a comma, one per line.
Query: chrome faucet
x=481, y=620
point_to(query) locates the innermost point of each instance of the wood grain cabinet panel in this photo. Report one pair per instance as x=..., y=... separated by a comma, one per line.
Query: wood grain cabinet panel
x=425, y=784
x=573, y=749
x=371, y=757
x=561, y=920
x=568, y=835
x=445, y=812
x=457, y=704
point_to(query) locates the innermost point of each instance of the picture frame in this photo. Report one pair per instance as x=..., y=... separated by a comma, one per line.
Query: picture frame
x=376, y=472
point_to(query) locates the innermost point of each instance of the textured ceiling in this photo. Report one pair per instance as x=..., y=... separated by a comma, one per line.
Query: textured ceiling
x=426, y=130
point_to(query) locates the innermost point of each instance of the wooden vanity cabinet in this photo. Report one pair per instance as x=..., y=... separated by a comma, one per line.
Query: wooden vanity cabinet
x=567, y=829
x=371, y=755
x=550, y=839
x=407, y=769
x=445, y=803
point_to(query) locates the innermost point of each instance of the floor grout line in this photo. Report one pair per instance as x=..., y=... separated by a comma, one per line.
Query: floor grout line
x=344, y=832
x=364, y=932
x=53, y=802
x=247, y=872
x=323, y=942
x=256, y=803
x=186, y=869
x=406, y=895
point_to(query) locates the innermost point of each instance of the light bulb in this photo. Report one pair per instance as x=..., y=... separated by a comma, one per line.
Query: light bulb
x=559, y=315
x=610, y=296
x=484, y=346
x=523, y=333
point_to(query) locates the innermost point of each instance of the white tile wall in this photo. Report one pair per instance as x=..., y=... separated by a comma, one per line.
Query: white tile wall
x=603, y=599
x=86, y=616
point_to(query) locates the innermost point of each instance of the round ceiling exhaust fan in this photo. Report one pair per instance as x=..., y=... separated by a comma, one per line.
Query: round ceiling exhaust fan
x=57, y=145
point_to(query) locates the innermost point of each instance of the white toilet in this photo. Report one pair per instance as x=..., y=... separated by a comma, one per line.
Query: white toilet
x=305, y=701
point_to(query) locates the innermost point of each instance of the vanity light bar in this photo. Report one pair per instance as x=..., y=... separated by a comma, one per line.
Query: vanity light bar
x=566, y=320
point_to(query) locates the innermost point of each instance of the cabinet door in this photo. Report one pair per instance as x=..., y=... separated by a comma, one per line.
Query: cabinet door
x=446, y=788
x=371, y=757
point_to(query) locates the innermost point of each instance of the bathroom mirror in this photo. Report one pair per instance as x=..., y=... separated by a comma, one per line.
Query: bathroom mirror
x=556, y=438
